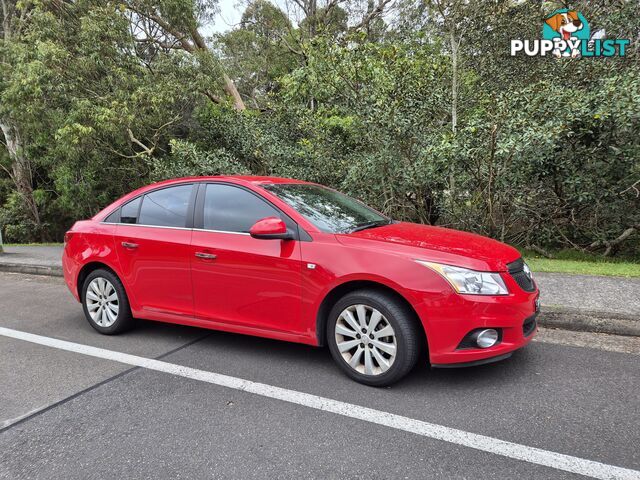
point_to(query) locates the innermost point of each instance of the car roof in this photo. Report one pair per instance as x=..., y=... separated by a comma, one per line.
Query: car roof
x=241, y=179
x=237, y=179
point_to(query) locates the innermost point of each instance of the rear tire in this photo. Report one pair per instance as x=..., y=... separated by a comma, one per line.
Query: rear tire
x=373, y=337
x=105, y=303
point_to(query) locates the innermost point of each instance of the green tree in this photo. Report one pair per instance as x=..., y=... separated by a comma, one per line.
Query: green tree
x=89, y=112
x=171, y=24
x=260, y=51
x=19, y=166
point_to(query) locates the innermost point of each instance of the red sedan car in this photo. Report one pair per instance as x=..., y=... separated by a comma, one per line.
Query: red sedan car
x=297, y=261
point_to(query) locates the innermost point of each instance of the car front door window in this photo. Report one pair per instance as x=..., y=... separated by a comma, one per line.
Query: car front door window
x=232, y=209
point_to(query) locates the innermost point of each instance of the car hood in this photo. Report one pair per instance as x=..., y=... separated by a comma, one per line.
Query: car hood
x=438, y=244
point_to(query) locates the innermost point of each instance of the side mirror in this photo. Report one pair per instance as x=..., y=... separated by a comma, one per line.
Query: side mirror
x=270, y=228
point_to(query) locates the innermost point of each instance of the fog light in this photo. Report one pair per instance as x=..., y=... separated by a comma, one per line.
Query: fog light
x=487, y=338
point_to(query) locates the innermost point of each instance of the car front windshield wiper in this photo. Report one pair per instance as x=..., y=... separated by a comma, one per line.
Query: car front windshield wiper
x=377, y=223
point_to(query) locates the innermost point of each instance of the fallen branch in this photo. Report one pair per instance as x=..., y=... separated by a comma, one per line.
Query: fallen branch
x=539, y=250
x=611, y=244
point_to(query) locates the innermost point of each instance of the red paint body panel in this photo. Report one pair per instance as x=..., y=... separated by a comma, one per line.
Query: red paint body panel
x=445, y=245
x=274, y=288
x=156, y=273
x=253, y=283
x=91, y=242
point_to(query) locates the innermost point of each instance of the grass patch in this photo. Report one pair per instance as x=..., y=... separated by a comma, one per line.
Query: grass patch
x=569, y=261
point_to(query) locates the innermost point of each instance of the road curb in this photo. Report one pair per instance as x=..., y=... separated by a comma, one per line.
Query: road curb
x=48, y=270
x=589, y=321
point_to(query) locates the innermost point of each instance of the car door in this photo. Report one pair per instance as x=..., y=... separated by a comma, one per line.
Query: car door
x=238, y=279
x=153, y=241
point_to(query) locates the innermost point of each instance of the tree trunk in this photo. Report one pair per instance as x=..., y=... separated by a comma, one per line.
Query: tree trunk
x=454, y=82
x=229, y=85
x=454, y=101
x=21, y=171
x=232, y=90
x=20, y=166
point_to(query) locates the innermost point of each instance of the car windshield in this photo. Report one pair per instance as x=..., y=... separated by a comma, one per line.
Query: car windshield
x=330, y=211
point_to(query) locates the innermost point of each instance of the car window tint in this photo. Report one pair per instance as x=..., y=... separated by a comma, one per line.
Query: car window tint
x=129, y=211
x=233, y=209
x=167, y=207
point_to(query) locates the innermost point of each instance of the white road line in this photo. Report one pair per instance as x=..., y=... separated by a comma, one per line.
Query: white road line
x=496, y=446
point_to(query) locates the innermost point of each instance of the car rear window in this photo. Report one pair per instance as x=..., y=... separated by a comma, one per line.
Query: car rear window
x=167, y=207
x=129, y=211
x=113, y=217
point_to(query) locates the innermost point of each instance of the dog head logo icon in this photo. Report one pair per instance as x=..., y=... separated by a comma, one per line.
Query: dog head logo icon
x=569, y=26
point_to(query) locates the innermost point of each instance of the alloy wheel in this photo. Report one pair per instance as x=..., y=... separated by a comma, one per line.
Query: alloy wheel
x=102, y=302
x=365, y=339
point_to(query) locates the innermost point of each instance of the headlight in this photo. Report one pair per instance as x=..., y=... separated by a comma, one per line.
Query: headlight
x=468, y=281
x=527, y=270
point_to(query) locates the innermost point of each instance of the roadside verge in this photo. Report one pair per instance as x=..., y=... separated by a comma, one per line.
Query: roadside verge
x=589, y=321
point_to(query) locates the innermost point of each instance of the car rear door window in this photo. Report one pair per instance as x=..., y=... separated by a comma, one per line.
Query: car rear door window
x=129, y=211
x=234, y=209
x=167, y=207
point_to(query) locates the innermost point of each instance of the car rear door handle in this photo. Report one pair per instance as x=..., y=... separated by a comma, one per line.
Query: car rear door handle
x=129, y=245
x=206, y=256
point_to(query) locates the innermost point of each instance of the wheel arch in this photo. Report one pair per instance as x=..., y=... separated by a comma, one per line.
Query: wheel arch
x=86, y=270
x=342, y=289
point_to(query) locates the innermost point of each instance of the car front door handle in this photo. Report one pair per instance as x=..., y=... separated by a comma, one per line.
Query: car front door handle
x=129, y=245
x=206, y=256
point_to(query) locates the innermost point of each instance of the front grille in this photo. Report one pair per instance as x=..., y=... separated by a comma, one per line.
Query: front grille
x=529, y=325
x=516, y=270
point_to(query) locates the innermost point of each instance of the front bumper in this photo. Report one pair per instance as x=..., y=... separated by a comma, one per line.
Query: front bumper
x=473, y=364
x=448, y=319
x=529, y=329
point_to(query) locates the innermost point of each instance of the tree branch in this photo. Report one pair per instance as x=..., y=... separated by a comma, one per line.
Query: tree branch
x=371, y=15
x=633, y=187
x=198, y=44
x=146, y=150
x=166, y=26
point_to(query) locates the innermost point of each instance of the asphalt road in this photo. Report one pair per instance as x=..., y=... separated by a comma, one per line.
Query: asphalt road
x=71, y=415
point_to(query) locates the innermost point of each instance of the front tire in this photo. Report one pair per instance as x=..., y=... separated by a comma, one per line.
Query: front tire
x=105, y=303
x=373, y=337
